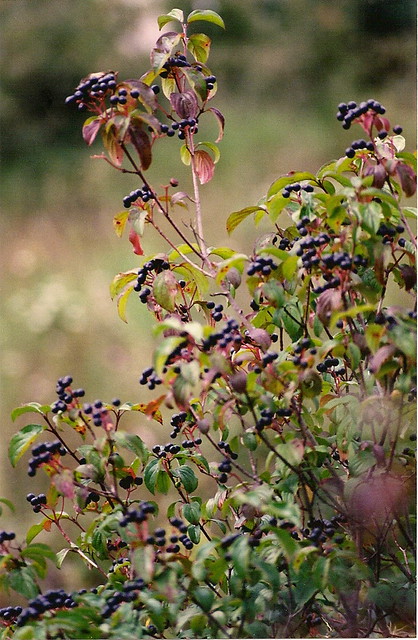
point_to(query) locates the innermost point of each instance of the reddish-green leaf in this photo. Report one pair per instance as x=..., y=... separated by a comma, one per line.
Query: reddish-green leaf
x=91, y=129
x=199, y=46
x=165, y=288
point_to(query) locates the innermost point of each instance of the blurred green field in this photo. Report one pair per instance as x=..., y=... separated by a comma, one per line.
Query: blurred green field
x=282, y=67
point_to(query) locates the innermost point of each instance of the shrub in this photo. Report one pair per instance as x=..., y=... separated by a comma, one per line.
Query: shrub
x=288, y=464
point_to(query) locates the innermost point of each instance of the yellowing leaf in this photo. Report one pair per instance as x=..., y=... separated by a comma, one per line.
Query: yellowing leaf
x=119, y=222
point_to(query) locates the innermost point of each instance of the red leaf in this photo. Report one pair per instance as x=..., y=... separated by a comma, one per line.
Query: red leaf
x=205, y=167
x=136, y=243
x=141, y=142
x=408, y=179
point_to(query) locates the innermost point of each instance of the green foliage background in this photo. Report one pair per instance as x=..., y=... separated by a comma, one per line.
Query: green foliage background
x=282, y=66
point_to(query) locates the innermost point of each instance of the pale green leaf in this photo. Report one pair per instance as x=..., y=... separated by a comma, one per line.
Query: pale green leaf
x=207, y=15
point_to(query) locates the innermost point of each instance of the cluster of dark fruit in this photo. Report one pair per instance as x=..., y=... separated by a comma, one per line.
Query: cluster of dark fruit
x=348, y=112
x=225, y=467
x=177, y=421
x=127, y=594
x=36, y=501
x=97, y=411
x=284, y=243
x=150, y=378
x=266, y=418
x=42, y=454
x=388, y=233
x=329, y=363
x=128, y=481
x=9, y=614
x=157, y=265
x=321, y=530
x=65, y=394
x=52, y=599
x=184, y=538
x=92, y=497
x=229, y=336
x=6, y=536
x=145, y=194
x=313, y=620
x=187, y=124
x=296, y=187
x=178, y=61
x=139, y=514
x=350, y=152
x=216, y=310
x=267, y=358
x=144, y=294
x=263, y=266
x=93, y=88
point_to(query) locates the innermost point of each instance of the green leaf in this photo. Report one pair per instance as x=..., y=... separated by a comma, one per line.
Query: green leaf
x=192, y=273
x=275, y=206
x=235, y=218
x=35, y=530
x=61, y=555
x=39, y=549
x=199, y=46
x=22, y=440
x=143, y=562
x=163, y=350
x=174, y=14
x=191, y=511
x=162, y=482
x=30, y=407
x=289, y=267
x=165, y=288
x=121, y=280
x=241, y=557
x=132, y=442
x=214, y=148
x=8, y=503
x=207, y=15
x=23, y=581
x=204, y=597
x=370, y=215
x=122, y=301
x=150, y=475
x=185, y=156
x=193, y=531
x=187, y=477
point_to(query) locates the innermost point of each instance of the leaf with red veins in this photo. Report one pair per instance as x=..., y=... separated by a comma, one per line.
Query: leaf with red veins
x=136, y=243
x=185, y=104
x=204, y=165
x=142, y=144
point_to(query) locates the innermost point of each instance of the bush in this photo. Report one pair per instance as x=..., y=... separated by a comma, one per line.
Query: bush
x=288, y=464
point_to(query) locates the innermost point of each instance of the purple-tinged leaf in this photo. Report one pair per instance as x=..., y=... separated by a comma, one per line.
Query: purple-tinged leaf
x=204, y=165
x=91, y=129
x=162, y=49
x=185, y=104
x=142, y=144
x=408, y=179
x=221, y=122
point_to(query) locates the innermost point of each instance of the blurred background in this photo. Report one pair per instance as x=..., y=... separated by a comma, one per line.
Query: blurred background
x=282, y=67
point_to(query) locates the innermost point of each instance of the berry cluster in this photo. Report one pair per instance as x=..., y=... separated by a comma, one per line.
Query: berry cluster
x=157, y=265
x=263, y=266
x=128, y=594
x=139, y=514
x=52, y=599
x=225, y=467
x=184, y=539
x=182, y=127
x=9, y=614
x=321, y=530
x=6, y=536
x=228, y=337
x=388, y=233
x=92, y=497
x=121, y=96
x=97, y=410
x=284, y=243
x=265, y=420
x=43, y=453
x=216, y=310
x=178, y=61
x=177, y=421
x=329, y=363
x=349, y=112
x=66, y=395
x=350, y=152
x=150, y=378
x=296, y=187
x=145, y=194
x=128, y=481
x=36, y=501
x=92, y=88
